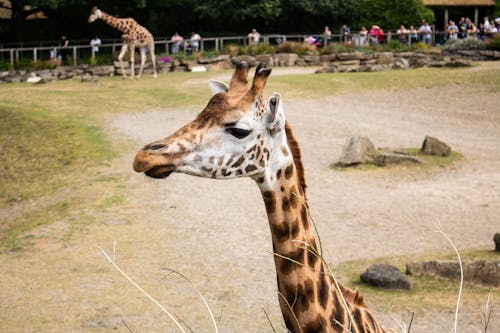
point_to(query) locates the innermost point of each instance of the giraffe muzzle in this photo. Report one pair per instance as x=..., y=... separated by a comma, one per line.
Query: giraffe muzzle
x=160, y=171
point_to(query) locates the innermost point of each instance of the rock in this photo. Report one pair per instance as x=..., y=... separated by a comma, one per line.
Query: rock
x=328, y=57
x=482, y=271
x=386, y=159
x=249, y=59
x=435, y=147
x=222, y=57
x=87, y=77
x=459, y=63
x=385, y=58
x=496, y=239
x=355, y=150
x=35, y=79
x=401, y=63
x=103, y=70
x=197, y=69
x=286, y=59
x=385, y=276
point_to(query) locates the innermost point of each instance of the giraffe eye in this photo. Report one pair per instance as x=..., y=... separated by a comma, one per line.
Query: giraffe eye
x=239, y=133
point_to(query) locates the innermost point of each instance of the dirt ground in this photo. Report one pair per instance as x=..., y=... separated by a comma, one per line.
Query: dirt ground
x=216, y=232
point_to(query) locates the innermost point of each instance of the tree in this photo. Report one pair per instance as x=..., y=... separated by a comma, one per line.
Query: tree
x=391, y=13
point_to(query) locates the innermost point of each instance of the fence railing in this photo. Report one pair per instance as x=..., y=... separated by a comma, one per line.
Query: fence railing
x=164, y=46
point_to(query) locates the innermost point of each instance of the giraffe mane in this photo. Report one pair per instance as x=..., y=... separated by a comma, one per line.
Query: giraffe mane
x=297, y=156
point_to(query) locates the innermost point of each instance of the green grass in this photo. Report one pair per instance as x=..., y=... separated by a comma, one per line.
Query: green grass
x=426, y=292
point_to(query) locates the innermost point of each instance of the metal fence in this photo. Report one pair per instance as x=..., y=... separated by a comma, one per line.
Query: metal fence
x=45, y=50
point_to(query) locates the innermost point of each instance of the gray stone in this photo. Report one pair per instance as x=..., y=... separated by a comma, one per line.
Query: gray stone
x=328, y=57
x=287, y=59
x=496, y=239
x=355, y=150
x=34, y=79
x=386, y=159
x=102, y=70
x=401, y=63
x=482, y=271
x=385, y=276
x=435, y=147
x=385, y=58
x=459, y=62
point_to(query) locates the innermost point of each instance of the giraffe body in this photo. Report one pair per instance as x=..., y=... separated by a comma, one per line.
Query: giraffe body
x=240, y=134
x=134, y=36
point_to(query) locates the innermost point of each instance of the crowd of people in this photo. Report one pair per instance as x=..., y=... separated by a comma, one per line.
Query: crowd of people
x=424, y=33
x=376, y=35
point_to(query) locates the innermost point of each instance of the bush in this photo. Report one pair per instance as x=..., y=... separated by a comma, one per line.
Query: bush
x=471, y=43
x=493, y=43
x=296, y=47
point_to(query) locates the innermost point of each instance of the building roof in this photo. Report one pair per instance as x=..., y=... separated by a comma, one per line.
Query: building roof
x=459, y=2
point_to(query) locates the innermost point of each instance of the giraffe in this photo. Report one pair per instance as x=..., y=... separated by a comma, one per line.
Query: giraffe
x=241, y=134
x=134, y=35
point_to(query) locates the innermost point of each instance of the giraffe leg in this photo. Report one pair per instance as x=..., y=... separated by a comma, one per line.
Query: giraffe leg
x=143, y=61
x=120, y=58
x=132, y=61
x=153, y=57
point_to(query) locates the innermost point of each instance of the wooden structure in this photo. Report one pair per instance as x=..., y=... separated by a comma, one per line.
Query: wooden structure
x=460, y=3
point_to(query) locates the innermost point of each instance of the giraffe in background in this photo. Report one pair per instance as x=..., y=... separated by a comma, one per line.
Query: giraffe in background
x=240, y=134
x=134, y=35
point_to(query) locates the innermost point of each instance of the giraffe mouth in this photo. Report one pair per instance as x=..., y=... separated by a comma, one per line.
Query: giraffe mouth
x=162, y=171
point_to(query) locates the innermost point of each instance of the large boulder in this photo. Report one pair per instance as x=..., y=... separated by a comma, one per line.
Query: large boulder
x=435, y=147
x=356, y=150
x=481, y=271
x=385, y=276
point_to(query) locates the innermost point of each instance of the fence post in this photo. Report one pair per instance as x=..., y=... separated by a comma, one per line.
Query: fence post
x=35, y=58
x=12, y=57
x=74, y=56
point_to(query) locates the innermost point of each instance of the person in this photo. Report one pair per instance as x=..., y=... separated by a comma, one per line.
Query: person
x=402, y=34
x=452, y=30
x=380, y=36
x=312, y=41
x=470, y=27
x=176, y=40
x=327, y=35
x=413, y=34
x=426, y=31
x=462, y=25
x=253, y=37
x=94, y=44
x=63, y=49
x=195, y=41
x=345, y=34
x=363, y=36
x=373, y=33
x=487, y=24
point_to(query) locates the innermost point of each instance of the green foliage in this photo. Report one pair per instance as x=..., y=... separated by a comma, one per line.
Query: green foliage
x=391, y=13
x=493, y=43
x=296, y=47
x=471, y=43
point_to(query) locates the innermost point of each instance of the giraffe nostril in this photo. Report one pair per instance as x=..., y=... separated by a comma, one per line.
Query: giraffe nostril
x=154, y=147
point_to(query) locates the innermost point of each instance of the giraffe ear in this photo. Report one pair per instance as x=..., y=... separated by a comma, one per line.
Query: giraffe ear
x=277, y=115
x=218, y=87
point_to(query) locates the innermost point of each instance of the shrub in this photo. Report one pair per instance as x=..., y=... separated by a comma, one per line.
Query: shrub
x=296, y=47
x=493, y=43
x=471, y=43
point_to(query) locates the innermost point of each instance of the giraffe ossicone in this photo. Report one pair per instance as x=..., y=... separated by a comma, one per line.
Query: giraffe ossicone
x=134, y=35
x=240, y=134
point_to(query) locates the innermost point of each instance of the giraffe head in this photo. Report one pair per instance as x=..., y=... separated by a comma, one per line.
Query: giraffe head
x=234, y=136
x=95, y=14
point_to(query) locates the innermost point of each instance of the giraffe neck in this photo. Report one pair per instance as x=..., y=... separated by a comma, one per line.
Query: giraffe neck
x=311, y=300
x=123, y=24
